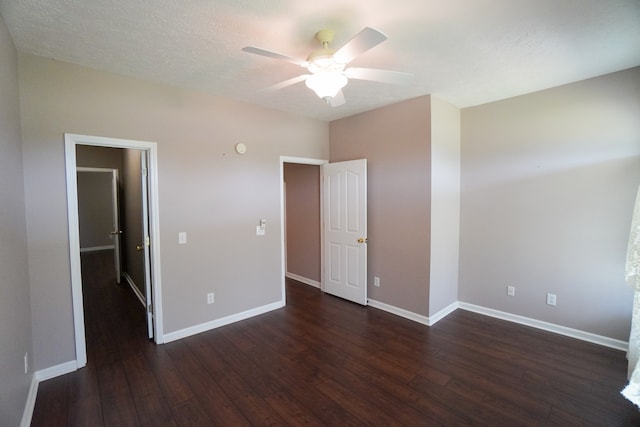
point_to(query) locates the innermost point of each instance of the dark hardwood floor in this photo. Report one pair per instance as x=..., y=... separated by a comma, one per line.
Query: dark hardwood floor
x=324, y=361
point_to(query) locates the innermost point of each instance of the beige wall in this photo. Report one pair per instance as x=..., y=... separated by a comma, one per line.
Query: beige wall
x=445, y=205
x=548, y=183
x=206, y=190
x=303, y=220
x=100, y=157
x=395, y=140
x=96, y=157
x=95, y=209
x=15, y=306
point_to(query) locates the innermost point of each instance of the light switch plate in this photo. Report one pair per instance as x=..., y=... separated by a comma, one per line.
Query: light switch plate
x=182, y=237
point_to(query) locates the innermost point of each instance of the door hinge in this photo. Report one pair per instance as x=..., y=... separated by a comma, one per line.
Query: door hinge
x=150, y=308
x=147, y=241
x=144, y=172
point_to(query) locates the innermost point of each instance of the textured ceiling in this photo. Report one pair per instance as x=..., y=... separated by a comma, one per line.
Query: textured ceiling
x=467, y=52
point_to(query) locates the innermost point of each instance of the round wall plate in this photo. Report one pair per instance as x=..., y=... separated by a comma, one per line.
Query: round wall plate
x=241, y=148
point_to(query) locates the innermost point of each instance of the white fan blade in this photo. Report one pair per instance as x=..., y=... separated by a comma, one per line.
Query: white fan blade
x=285, y=83
x=384, y=76
x=269, y=54
x=362, y=42
x=337, y=100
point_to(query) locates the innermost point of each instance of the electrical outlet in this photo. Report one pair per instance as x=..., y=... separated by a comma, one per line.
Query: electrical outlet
x=551, y=299
x=376, y=281
x=511, y=291
x=210, y=299
x=182, y=238
x=26, y=363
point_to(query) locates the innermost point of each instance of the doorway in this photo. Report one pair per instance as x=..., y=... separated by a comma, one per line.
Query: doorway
x=283, y=224
x=302, y=223
x=99, y=212
x=151, y=246
x=343, y=227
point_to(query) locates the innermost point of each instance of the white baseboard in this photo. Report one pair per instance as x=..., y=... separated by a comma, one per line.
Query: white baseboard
x=304, y=280
x=538, y=324
x=203, y=327
x=43, y=375
x=550, y=327
x=135, y=289
x=96, y=248
x=399, y=312
x=27, y=414
x=443, y=313
x=56, y=371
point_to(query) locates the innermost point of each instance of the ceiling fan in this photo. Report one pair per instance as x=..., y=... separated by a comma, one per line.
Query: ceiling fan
x=326, y=66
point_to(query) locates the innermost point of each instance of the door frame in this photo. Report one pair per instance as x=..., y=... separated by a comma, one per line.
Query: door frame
x=115, y=206
x=71, y=141
x=301, y=161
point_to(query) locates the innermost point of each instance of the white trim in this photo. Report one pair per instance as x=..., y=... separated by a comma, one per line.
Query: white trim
x=538, y=324
x=399, y=311
x=207, y=326
x=304, y=280
x=86, y=169
x=70, y=143
x=134, y=288
x=36, y=379
x=56, y=371
x=443, y=313
x=27, y=414
x=545, y=326
x=96, y=248
x=302, y=161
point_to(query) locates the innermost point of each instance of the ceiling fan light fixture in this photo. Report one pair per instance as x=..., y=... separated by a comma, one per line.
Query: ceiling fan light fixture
x=326, y=84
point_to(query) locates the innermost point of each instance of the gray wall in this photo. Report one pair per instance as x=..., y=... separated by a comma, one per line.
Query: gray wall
x=548, y=184
x=206, y=190
x=97, y=157
x=303, y=220
x=445, y=205
x=395, y=140
x=100, y=157
x=15, y=306
x=95, y=209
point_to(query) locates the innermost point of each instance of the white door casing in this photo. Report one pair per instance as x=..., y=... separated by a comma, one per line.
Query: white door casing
x=345, y=230
x=146, y=244
x=71, y=140
x=302, y=161
x=116, y=232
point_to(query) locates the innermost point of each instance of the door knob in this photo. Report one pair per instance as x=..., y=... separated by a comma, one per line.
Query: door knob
x=139, y=248
x=116, y=232
x=362, y=240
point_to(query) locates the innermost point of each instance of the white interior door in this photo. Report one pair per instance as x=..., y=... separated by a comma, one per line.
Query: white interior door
x=345, y=230
x=147, y=243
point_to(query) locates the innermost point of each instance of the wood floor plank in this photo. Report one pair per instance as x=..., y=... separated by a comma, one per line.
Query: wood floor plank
x=151, y=407
x=325, y=361
x=190, y=414
x=85, y=404
x=52, y=403
x=174, y=388
x=117, y=402
x=214, y=401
